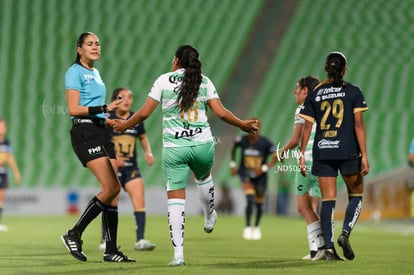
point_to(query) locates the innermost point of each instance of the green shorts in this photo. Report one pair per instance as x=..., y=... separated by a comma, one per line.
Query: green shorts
x=178, y=161
x=308, y=184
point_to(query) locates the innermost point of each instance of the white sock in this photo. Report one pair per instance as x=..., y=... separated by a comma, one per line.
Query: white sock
x=176, y=220
x=206, y=195
x=315, y=236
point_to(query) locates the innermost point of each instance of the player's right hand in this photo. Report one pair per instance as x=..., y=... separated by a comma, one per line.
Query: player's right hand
x=115, y=104
x=250, y=126
x=302, y=166
x=364, y=166
x=119, y=125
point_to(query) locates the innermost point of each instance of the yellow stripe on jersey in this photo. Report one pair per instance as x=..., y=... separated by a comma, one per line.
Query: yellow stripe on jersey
x=362, y=109
x=307, y=118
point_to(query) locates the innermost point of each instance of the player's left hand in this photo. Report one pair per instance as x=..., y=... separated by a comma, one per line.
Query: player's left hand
x=149, y=158
x=17, y=178
x=250, y=126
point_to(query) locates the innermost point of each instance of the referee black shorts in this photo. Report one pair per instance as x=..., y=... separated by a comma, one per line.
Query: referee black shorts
x=92, y=141
x=330, y=168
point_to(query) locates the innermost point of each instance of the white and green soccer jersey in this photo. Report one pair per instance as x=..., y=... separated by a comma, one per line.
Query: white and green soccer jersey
x=299, y=120
x=183, y=128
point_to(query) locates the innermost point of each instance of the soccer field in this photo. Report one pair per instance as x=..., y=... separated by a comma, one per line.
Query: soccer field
x=33, y=246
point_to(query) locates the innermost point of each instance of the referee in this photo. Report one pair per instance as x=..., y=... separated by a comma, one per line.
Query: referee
x=91, y=142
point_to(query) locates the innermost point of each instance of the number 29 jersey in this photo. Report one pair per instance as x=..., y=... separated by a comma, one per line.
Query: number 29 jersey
x=332, y=108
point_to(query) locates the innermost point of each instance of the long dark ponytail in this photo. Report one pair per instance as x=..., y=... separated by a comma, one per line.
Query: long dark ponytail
x=188, y=90
x=334, y=65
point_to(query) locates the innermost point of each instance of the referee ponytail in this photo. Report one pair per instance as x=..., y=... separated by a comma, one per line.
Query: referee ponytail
x=188, y=90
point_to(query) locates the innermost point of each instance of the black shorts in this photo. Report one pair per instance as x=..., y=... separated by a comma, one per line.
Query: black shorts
x=91, y=141
x=4, y=183
x=126, y=174
x=329, y=168
x=259, y=183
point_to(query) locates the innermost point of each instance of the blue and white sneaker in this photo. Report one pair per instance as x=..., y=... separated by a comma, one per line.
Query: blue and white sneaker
x=144, y=245
x=209, y=224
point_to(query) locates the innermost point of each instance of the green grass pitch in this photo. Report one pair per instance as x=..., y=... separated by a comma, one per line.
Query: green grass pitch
x=33, y=246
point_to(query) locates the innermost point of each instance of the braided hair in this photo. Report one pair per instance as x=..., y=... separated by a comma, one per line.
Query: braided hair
x=334, y=66
x=188, y=90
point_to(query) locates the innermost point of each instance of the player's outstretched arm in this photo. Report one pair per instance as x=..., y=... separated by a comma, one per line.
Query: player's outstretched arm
x=249, y=125
x=139, y=116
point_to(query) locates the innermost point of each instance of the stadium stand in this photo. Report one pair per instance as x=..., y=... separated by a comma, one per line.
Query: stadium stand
x=38, y=43
x=370, y=34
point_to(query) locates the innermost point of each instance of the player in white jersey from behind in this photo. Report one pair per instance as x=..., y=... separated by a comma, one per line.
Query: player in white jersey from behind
x=185, y=94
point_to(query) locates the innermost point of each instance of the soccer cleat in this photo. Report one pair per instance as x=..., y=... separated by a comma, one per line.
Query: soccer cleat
x=307, y=257
x=144, y=245
x=3, y=228
x=247, y=233
x=177, y=262
x=319, y=255
x=330, y=255
x=256, y=233
x=116, y=257
x=73, y=244
x=102, y=246
x=209, y=224
x=343, y=241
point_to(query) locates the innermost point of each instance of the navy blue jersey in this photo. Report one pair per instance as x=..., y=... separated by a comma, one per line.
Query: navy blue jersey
x=253, y=155
x=5, y=151
x=333, y=108
x=125, y=143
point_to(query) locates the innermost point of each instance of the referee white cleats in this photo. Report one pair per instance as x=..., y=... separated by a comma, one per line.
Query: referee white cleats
x=209, y=223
